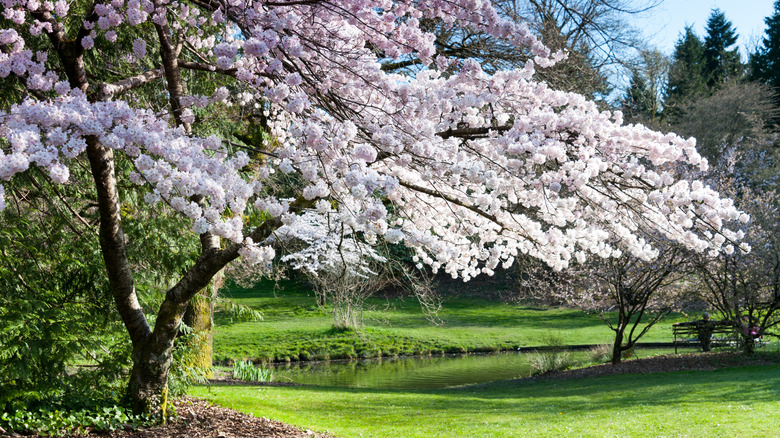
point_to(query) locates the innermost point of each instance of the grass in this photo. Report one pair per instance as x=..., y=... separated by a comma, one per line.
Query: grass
x=295, y=328
x=734, y=402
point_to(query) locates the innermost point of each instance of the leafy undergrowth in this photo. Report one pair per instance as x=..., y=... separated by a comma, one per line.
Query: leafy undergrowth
x=195, y=419
x=56, y=422
x=295, y=328
x=724, y=402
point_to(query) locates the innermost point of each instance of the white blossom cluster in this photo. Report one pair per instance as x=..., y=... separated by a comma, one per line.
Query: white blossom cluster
x=470, y=169
x=175, y=166
x=323, y=241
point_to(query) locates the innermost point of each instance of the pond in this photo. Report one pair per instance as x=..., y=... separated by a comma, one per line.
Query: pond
x=409, y=372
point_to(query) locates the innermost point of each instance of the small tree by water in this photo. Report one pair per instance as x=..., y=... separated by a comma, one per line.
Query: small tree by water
x=630, y=294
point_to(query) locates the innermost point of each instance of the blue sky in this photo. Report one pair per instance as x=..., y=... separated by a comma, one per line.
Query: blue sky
x=663, y=24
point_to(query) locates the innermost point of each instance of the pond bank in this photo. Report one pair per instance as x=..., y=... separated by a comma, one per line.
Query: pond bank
x=725, y=402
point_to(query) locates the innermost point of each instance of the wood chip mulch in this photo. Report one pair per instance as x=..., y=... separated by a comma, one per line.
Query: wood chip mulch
x=200, y=419
x=666, y=363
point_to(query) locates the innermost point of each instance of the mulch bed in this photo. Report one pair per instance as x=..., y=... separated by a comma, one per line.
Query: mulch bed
x=200, y=419
x=666, y=363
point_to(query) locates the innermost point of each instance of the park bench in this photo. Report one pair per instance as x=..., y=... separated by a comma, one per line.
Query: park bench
x=723, y=333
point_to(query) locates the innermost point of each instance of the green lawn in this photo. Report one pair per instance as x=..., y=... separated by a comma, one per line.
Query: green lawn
x=295, y=328
x=735, y=402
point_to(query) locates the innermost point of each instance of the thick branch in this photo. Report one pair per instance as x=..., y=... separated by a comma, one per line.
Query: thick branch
x=112, y=241
x=472, y=132
x=109, y=91
x=211, y=261
x=450, y=199
x=189, y=65
x=400, y=64
x=70, y=51
x=170, y=63
x=101, y=160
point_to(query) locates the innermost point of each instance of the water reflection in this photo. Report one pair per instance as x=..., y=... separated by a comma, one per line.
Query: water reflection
x=409, y=372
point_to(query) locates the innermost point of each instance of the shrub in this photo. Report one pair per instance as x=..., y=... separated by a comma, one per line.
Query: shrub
x=47, y=422
x=245, y=370
x=554, y=359
x=628, y=354
x=543, y=362
x=601, y=353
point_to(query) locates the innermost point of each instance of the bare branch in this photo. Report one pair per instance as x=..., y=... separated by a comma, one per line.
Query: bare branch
x=109, y=91
x=472, y=132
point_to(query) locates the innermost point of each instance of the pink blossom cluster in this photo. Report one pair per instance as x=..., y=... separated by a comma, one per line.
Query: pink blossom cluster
x=470, y=169
x=220, y=94
x=566, y=181
x=254, y=254
x=139, y=48
x=175, y=166
x=20, y=61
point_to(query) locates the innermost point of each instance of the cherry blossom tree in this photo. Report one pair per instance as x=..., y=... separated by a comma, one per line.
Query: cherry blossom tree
x=468, y=169
x=637, y=292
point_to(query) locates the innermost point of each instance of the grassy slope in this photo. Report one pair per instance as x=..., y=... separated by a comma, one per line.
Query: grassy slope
x=295, y=328
x=736, y=402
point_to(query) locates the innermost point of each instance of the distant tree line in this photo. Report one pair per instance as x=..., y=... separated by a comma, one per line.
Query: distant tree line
x=705, y=90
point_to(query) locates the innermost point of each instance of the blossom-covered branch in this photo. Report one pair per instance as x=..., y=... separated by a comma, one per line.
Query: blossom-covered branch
x=470, y=169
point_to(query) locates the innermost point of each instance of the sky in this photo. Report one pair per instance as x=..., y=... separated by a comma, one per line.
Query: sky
x=662, y=25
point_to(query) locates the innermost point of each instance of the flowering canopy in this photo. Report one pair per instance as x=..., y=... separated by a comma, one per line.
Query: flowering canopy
x=469, y=168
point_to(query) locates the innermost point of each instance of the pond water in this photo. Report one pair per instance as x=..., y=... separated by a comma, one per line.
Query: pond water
x=409, y=372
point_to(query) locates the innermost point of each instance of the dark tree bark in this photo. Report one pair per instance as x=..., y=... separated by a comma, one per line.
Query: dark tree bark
x=617, y=346
x=152, y=348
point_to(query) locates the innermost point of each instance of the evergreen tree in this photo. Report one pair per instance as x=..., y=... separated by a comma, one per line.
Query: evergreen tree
x=720, y=62
x=637, y=104
x=686, y=75
x=765, y=63
x=642, y=101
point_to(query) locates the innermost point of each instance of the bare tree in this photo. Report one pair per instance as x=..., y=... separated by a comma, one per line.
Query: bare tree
x=744, y=287
x=595, y=33
x=640, y=292
x=629, y=294
x=643, y=100
x=734, y=112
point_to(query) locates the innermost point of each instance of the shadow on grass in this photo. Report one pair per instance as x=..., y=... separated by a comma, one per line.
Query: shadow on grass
x=741, y=386
x=296, y=300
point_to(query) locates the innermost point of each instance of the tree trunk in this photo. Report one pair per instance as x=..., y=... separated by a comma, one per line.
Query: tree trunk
x=152, y=359
x=200, y=318
x=152, y=350
x=748, y=344
x=617, y=347
x=149, y=381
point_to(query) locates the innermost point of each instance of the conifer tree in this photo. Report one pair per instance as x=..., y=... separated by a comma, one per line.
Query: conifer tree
x=636, y=102
x=720, y=62
x=642, y=101
x=765, y=62
x=686, y=75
